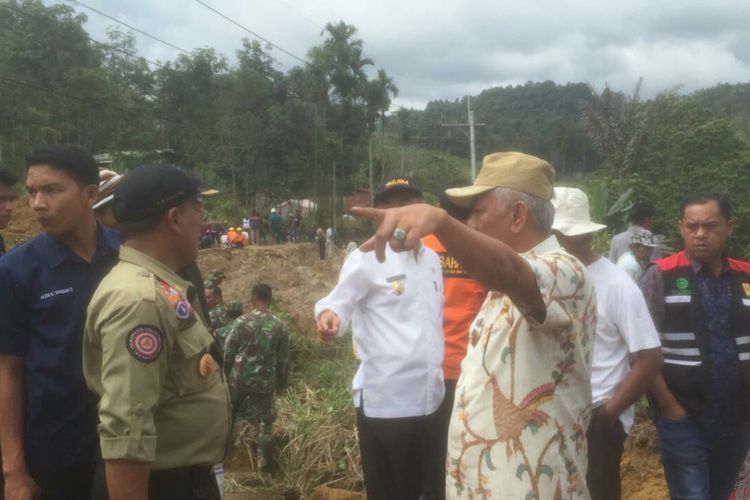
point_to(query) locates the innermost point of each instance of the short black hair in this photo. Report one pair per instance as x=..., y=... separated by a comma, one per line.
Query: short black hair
x=263, y=292
x=7, y=178
x=640, y=211
x=702, y=197
x=72, y=159
x=215, y=289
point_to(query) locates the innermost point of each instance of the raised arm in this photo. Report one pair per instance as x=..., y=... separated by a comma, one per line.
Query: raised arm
x=491, y=262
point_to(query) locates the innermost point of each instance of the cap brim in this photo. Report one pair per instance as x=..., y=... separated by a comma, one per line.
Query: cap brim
x=577, y=228
x=465, y=196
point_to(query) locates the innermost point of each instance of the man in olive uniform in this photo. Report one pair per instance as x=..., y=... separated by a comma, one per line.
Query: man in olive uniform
x=256, y=362
x=163, y=411
x=233, y=310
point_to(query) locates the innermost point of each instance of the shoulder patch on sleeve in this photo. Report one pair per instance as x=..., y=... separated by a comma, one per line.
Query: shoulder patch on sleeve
x=144, y=343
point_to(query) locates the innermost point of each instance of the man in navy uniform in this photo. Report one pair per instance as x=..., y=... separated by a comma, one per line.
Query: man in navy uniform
x=47, y=416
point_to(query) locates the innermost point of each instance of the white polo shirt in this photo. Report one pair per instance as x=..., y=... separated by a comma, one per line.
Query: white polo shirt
x=623, y=327
x=396, y=312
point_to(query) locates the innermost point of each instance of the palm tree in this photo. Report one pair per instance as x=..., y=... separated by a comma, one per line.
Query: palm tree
x=388, y=91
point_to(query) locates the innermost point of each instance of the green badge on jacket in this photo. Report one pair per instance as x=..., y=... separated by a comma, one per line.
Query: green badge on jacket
x=682, y=286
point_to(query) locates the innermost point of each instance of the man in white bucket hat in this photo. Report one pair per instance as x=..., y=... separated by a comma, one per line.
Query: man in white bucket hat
x=624, y=329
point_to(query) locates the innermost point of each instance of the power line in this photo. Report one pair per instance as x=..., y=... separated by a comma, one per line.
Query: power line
x=111, y=47
x=269, y=42
x=153, y=37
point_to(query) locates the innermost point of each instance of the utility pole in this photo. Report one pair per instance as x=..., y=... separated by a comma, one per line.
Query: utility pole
x=334, y=197
x=471, y=136
x=472, y=142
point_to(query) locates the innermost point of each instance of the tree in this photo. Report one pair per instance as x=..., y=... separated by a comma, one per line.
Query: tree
x=619, y=126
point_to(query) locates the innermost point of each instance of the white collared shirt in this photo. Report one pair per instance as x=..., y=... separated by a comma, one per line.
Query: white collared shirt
x=396, y=312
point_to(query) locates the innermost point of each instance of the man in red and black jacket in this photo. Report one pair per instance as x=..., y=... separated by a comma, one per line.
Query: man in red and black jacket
x=700, y=302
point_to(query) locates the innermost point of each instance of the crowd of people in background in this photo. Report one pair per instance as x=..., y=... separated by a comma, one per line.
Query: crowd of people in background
x=254, y=229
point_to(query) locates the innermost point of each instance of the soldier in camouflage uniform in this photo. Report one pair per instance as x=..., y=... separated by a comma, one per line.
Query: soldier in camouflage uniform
x=232, y=311
x=256, y=361
x=215, y=301
x=217, y=277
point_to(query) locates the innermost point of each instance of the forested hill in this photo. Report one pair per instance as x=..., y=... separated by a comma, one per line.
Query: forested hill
x=730, y=100
x=545, y=118
x=539, y=118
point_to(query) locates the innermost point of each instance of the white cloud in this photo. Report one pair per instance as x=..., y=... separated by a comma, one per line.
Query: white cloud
x=445, y=50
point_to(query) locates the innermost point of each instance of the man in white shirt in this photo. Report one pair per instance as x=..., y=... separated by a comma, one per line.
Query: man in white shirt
x=396, y=313
x=624, y=331
x=635, y=260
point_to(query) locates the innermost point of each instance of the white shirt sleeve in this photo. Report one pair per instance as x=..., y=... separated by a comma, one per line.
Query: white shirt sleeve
x=352, y=286
x=634, y=320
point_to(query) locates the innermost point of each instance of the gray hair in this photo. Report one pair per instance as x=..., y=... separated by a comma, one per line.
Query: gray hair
x=541, y=211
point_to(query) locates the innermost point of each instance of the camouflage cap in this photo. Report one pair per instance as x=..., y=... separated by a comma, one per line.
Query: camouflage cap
x=643, y=237
x=216, y=275
x=233, y=307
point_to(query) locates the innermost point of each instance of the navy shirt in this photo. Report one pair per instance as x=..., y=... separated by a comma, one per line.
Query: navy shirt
x=45, y=288
x=725, y=410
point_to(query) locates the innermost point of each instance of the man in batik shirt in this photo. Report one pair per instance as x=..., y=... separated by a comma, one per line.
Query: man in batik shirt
x=518, y=427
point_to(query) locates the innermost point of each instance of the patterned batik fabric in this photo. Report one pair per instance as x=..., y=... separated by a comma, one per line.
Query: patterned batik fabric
x=742, y=487
x=518, y=427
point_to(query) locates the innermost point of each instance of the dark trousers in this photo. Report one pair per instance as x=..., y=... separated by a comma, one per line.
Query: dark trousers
x=71, y=483
x=605, y=442
x=443, y=420
x=695, y=466
x=185, y=483
x=400, y=457
x=322, y=249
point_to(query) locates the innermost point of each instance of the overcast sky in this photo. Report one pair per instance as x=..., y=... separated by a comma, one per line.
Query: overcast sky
x=445, y=50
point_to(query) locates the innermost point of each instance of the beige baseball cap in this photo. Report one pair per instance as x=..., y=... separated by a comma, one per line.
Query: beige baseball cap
x=512, y=170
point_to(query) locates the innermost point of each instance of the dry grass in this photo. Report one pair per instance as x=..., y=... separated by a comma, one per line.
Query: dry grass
x=314, y=434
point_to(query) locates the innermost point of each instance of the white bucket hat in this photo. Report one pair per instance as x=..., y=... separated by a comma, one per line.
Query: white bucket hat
x=572, y=215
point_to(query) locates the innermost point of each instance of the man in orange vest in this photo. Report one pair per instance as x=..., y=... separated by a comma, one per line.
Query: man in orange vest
x=235, y=238
x=462, y=298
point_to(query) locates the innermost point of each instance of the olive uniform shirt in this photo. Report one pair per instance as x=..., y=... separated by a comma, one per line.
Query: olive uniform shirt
x=145, y=353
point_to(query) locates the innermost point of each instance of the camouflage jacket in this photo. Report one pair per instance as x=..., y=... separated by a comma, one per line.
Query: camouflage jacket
x=222, y=333
x=256, y=354
x=218, y=316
